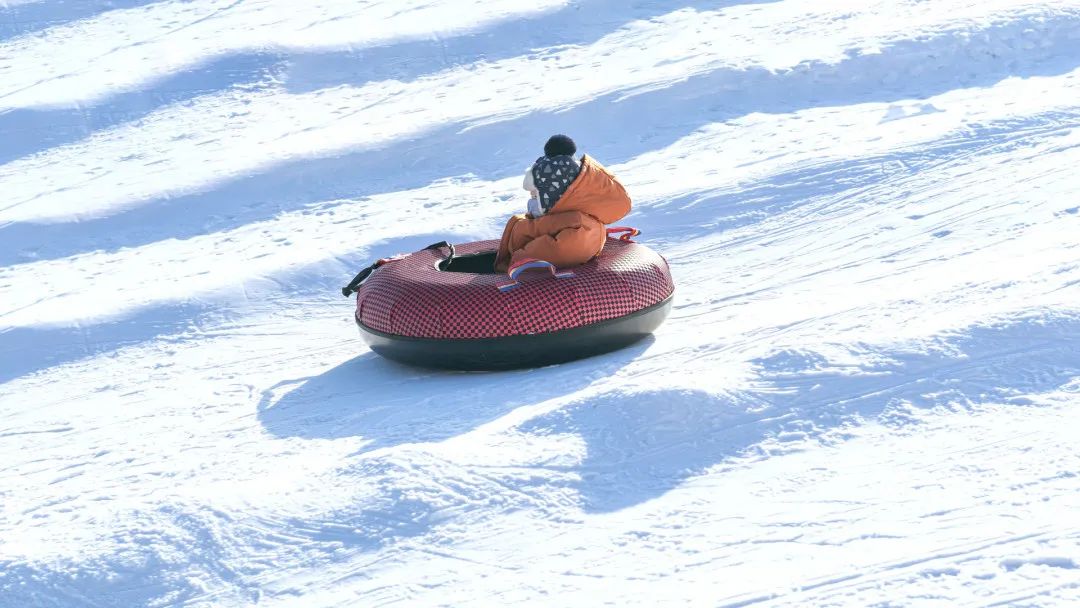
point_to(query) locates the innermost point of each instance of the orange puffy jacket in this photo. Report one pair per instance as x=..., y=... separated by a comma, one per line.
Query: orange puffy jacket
x=572, y=232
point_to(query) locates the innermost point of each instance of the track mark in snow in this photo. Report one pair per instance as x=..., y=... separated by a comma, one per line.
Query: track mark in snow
x=870, y=573
x=62, y=429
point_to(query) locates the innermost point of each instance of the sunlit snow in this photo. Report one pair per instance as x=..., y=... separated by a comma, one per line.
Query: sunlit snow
x=867, y=393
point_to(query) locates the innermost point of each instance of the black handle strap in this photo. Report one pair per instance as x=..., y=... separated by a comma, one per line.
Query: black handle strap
x=354, y=285
x=449, y=246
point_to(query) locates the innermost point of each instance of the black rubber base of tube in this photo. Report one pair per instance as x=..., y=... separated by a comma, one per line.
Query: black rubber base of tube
x=516, y=352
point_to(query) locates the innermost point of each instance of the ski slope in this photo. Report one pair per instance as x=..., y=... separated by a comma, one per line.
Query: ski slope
x=867, y=393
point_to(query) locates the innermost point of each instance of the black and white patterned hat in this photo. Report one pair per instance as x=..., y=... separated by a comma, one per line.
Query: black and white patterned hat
x=552, y=175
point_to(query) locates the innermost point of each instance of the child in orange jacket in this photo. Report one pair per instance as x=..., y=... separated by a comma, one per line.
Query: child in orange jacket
x=571, y=203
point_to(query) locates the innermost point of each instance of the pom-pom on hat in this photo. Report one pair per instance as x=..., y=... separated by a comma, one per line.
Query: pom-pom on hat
x=559, y=145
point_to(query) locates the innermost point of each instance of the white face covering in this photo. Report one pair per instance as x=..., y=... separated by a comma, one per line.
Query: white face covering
x=534, y=209
x=528, y=184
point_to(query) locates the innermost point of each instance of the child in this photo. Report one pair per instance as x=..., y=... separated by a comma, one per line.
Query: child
x=571, y=203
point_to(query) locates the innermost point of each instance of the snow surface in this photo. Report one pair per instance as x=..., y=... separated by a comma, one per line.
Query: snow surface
x=867, y=394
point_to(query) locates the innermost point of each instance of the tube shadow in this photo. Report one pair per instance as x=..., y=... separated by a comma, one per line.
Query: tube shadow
x=642, y=445
x=598, y=124
x=388, y=404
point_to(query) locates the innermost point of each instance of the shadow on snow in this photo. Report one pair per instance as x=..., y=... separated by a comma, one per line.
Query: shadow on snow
x=641, y=445
x=578, y=23
x=581, y=23
x=27, y=131
x=388, y=404
x=496, y=150
x=696, y=214
x=25, y=350
x=41, y=14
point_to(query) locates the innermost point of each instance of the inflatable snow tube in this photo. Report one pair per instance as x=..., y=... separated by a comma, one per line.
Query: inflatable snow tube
x=445, y=307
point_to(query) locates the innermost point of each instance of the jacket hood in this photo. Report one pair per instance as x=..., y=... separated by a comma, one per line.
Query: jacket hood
x=595, y=192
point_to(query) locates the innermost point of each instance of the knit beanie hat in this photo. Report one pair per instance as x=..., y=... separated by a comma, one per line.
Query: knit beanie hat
x=559, y=145
x=552, y=175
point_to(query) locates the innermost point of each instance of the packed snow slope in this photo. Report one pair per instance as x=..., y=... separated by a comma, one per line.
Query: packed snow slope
x=867, y=393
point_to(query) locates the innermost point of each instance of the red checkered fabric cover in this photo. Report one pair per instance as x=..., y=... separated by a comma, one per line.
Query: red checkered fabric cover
x=411, y=297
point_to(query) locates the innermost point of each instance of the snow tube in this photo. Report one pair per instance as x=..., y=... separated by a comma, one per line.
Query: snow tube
x=445, y=307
